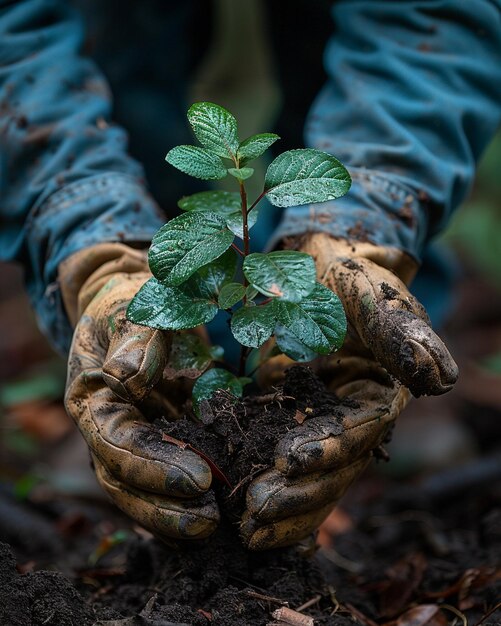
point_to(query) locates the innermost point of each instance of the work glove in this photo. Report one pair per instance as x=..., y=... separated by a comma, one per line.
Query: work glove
x=390, y=349
x=115, y=368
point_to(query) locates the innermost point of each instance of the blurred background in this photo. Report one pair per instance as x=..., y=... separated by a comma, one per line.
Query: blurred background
x=446, y=446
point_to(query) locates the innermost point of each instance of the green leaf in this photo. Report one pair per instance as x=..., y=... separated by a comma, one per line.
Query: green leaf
x=169, y=308
x=220, y=202
x=189, y=357
x=210, y=279
x=241, y=173
x=235, y=222
x=224, y=203
x=250, y=292
x=215, y=128
x=197, y=162
x=290, y=345
x=185, y=244
x=319, y=321
x=253, y=325
x=230, y=294
x=302, y=176
x=255, y=146
x=285, y=274
x=211, y=381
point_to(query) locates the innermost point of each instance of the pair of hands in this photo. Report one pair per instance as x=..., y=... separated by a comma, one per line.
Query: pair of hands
x=116, y=384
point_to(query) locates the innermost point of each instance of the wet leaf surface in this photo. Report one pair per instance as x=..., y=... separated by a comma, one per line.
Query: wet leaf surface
x=230, y=294
x=227, y=204
x=170, y=308
x=318, y=321
x=213, y=380
x=253, y=325
x=196, y=162
x=254, y=146
x=302, y=176
x=284, y=274
x=185, y=244
x=215, y=128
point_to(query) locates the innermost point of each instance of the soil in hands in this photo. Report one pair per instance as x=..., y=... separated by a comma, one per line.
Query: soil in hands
x=239, y=438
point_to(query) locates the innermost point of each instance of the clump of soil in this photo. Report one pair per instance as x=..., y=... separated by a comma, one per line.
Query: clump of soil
x=222, y=584
x=217, y=584
x=240, y=437
x=38, y=597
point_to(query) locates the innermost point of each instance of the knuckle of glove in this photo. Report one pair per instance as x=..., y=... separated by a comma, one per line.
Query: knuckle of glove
x=135, y=361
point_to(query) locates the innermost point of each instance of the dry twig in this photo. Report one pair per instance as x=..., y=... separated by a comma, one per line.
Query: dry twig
x=262, y=596
x=291, y=617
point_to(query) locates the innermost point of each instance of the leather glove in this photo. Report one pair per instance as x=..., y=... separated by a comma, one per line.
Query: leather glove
x=114, y=366
x=390, y=349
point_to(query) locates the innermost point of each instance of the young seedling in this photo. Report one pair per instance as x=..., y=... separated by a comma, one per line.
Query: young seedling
x=197, y=265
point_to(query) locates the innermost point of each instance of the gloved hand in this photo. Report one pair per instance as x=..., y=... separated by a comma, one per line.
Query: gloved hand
x=113, y=367
x=389, y=347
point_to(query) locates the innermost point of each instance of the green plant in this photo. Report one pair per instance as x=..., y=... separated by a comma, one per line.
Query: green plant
x=195, y=261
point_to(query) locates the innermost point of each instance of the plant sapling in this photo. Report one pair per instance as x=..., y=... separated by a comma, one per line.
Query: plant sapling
x=196, y=262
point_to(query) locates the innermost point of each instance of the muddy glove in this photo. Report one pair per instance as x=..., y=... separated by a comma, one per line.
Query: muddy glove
x=390, y=348
x=114, y=366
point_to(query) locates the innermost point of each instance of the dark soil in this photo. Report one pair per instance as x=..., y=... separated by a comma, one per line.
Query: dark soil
x=405, y=549
x=240, y=437
x=408, y=547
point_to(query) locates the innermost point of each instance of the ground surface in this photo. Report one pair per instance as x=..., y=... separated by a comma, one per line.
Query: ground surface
x=394, y=546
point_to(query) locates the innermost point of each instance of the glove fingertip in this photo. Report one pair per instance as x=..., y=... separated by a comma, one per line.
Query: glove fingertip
x=436, y=371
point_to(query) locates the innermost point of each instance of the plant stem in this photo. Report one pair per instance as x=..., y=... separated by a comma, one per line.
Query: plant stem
x=237, y=249
x=266, y=301
x=256, y=201
x=243, y=197
x=244, y=352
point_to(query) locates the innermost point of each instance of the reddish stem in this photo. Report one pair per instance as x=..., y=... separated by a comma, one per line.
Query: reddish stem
x=257, y=200
x=237, y=249
x=244, y=352
x=243, y=197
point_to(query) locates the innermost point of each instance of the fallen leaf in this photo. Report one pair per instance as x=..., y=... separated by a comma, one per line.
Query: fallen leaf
x=106, y=544
x=206, y=614
x=299, y=417
x=173, y=440
x=422, y=615
x=47, y=422
x=403, y=578
x=471, y=579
